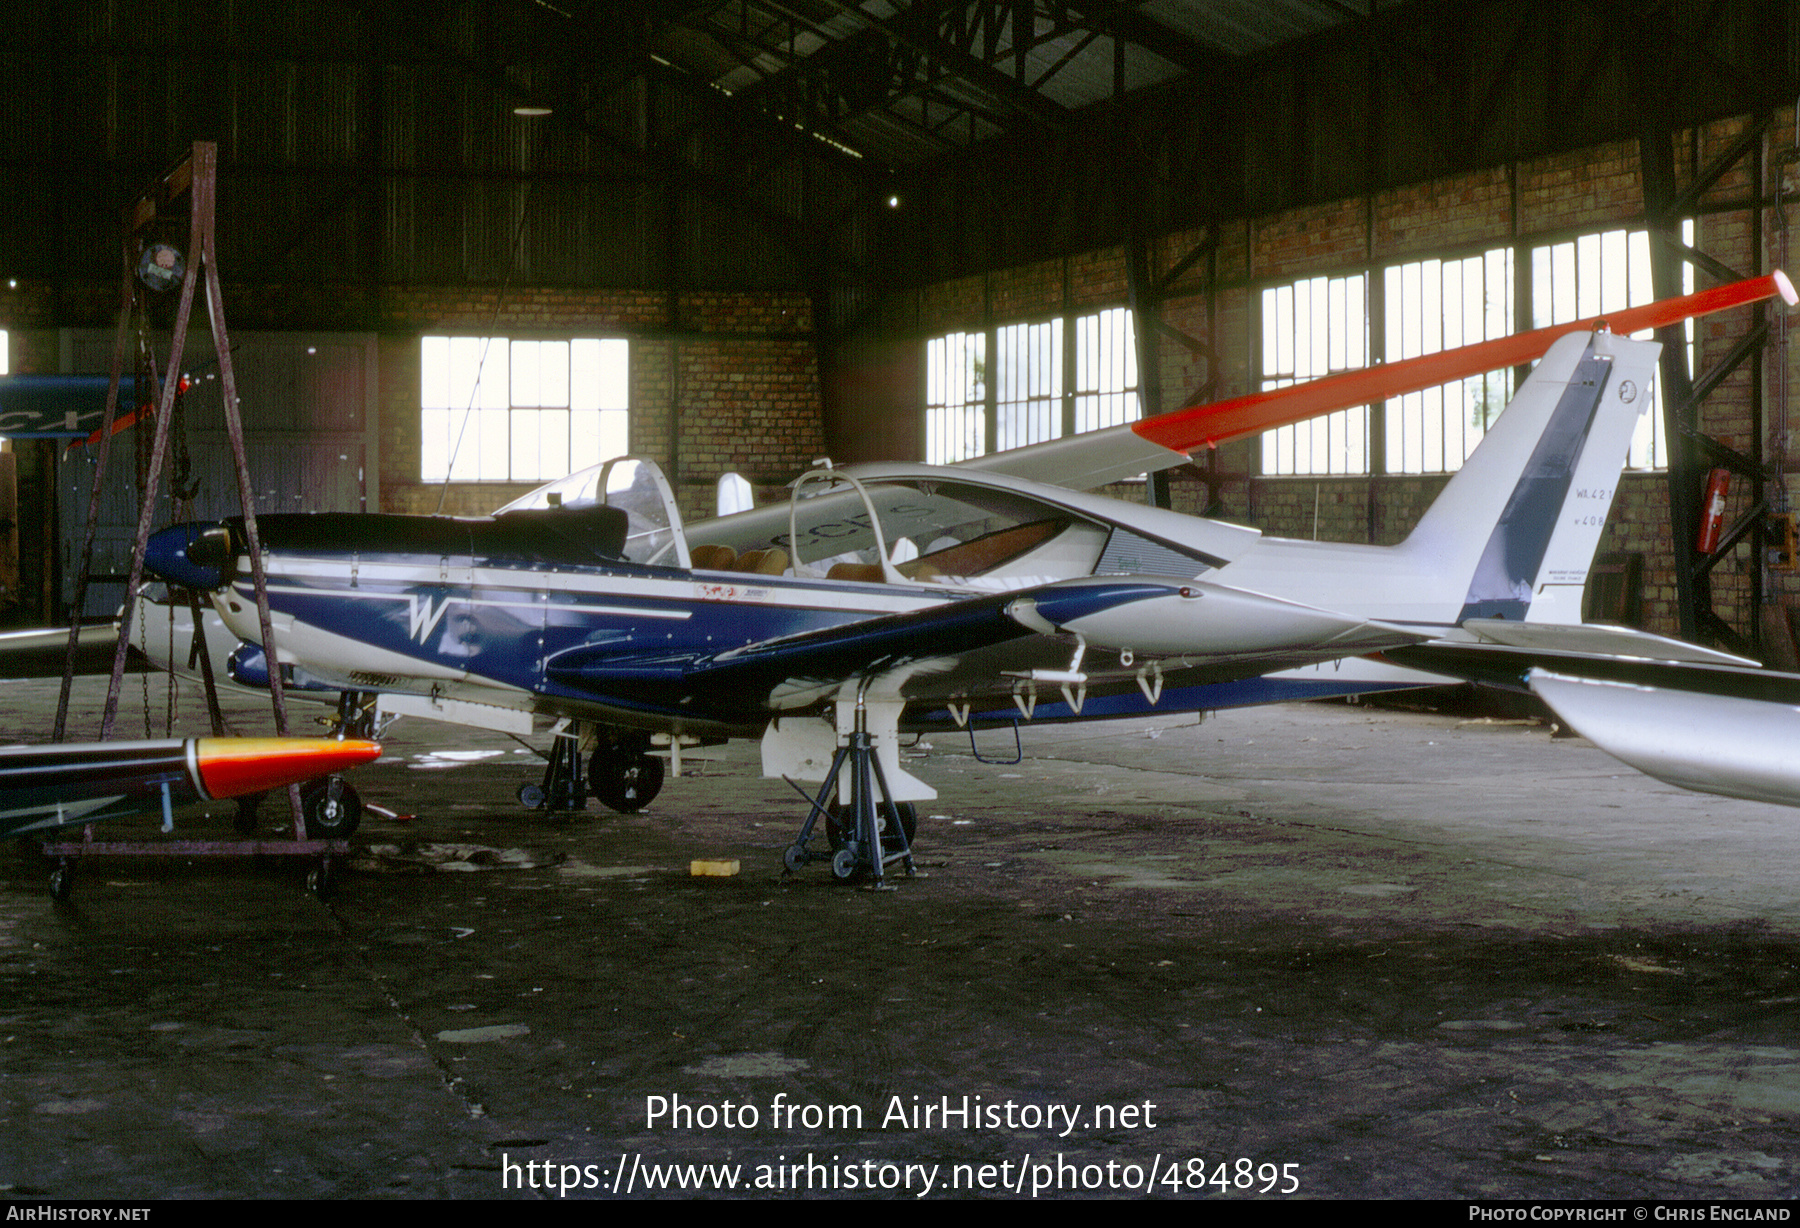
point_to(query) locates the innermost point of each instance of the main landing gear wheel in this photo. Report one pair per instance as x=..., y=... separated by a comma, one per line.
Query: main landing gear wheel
x=624, y=780
x=890, y=841
x=331, y=808
x=62, y=882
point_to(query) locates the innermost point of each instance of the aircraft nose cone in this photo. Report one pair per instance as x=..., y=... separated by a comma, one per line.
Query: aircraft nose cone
x=195, y=556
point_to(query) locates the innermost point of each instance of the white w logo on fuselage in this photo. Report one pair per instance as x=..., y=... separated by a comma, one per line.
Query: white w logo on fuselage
x=423, y=616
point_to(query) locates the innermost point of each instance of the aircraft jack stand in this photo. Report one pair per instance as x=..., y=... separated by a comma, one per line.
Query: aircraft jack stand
x=565, y=787
x=868, y=835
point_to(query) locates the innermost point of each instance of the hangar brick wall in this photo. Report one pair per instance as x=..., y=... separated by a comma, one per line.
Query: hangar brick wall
x=1547, y=199
x=731, y=383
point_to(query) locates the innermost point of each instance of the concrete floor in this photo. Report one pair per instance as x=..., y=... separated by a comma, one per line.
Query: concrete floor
x=1360, y=953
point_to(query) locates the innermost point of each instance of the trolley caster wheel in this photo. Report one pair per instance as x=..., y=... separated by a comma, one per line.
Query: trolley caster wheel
x=321, y=880
x=531, y=797
x=843, y=864
x=244, y=822
x=794, y=859
x=62, y=883
x=331, y=808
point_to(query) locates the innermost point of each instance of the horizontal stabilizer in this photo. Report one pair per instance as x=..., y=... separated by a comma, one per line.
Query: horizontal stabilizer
x=1600, y=639
x=1613, y=654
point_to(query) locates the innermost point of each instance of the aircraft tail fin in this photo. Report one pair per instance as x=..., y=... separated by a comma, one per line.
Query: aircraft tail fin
x=1523, y=516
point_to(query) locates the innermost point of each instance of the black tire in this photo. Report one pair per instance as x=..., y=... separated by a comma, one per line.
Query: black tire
x=890, y=841
x=623, y=781
x=331, y=807
x=62, y=884
x=321, y=880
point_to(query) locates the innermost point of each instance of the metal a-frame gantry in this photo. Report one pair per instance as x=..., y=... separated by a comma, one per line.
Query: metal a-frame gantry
x=192, y=183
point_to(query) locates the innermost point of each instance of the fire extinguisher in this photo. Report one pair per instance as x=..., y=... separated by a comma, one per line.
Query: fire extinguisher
x=1712, y=516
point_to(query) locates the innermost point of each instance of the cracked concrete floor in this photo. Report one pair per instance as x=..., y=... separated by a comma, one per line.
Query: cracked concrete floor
x=1408, y=955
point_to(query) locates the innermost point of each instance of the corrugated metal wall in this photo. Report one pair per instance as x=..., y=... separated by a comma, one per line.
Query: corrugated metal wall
x=308, y=405
x=354, y=153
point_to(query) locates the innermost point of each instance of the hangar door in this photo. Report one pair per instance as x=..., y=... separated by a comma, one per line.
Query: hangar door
x=308, y=406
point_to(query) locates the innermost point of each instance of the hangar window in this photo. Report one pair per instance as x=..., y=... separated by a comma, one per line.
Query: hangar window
x=1314, y=327
x=1047, y=379
x=1106, y=374
x=1598, y=273
x=955, y=397
x=498, y=409
x=1028, y=384
x=1433, y=305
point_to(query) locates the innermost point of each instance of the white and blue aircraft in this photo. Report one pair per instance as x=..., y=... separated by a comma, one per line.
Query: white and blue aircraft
x=883, y=599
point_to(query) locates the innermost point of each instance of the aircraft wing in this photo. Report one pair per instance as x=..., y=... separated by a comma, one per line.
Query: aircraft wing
x=58, y=785
x=1710, y=729
x=1115, y=453
x=993, y=646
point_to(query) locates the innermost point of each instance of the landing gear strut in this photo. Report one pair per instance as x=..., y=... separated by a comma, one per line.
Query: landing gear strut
x=622, y=773
x=355, y=716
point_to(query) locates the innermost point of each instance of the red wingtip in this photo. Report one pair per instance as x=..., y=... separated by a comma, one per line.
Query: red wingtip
x=233, y=766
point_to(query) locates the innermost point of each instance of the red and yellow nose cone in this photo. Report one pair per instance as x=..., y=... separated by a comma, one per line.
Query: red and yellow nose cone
x=229, y=767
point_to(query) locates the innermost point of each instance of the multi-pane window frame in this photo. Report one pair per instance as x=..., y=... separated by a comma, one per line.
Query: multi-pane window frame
x=1029, y=381
x=1533, y=293
x=1569, y=280
x=1442, y=303
x=1338, y=311
x=525, y=409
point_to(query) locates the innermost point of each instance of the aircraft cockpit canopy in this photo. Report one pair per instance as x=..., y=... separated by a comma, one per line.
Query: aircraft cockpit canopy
x=896, y=530
x=636, y=486
x=938, y=530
